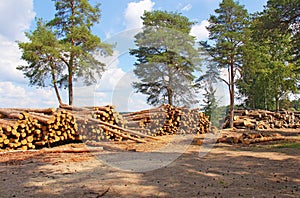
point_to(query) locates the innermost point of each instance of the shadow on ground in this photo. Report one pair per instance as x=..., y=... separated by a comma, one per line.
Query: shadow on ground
x=224, y=172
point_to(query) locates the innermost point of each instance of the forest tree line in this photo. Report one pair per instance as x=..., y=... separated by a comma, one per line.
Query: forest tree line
x=259, y=52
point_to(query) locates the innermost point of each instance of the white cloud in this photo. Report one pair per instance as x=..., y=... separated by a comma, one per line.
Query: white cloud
x=100, y=93
x=114, y=88
x=110, y=61
x=9, y=60
x=137, y=101
x=200, y=31
x=15, y=18
x=187, y=7
x=113, y=73
x=124, y=96
x=14, y=89
x=134, y=11
x=110, y=79
x=13, y=95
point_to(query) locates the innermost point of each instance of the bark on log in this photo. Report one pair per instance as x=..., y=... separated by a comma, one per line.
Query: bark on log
x=114, y=126
x=36, y=110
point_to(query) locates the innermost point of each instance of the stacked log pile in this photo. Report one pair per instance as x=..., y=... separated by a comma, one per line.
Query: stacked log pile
x=22, y=129
x=102, y=124
x=166, y=120
x=260, y=119
x=251, y=138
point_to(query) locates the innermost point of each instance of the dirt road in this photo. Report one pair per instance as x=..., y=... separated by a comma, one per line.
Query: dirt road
x=226, y=171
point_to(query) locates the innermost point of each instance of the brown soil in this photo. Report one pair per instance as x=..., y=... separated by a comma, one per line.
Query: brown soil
x=225, y=171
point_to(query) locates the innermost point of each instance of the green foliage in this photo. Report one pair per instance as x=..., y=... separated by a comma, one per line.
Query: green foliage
x=228, y=31
x=75, y=46
x=269, y=70
x=284, y=16
x=296, y=104
x=210, y=101
x=166, y=59
x=206, y=83
x=42, y=54
x=227, y=28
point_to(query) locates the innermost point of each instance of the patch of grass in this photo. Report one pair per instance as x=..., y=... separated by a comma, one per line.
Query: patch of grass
x=295, y=145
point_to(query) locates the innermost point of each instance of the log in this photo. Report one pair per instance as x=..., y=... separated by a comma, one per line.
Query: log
x=266, y=119
x=171, y=121
x=72, y=150
x=8, y=125
x=11, y=114
x=265, y=139
x=115, y=127
x=45, y=119
x=123, y=135
x=27, y=128
x=36, y=110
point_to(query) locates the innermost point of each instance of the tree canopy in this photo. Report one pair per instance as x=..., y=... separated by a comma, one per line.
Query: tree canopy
x=75, y=45
x=270, y=66
x=166, y=59
x=228, y=30
x=259, y=53
x=43, y=55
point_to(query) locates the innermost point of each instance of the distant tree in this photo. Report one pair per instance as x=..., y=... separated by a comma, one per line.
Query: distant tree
x=296, y=104
x=228, y=31
x=77, y=45
x=206, y=83
x=166, y=59
x=286, y=104
x=210, y=101
x=253, y=85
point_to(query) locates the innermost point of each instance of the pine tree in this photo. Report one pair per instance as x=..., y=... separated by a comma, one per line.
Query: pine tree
x=206, y=83
x=228, y=31
x=77, y=45
x=166, y=59
x=42, y=54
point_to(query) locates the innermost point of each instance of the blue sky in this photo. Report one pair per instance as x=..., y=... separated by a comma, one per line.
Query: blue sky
x=120, y=19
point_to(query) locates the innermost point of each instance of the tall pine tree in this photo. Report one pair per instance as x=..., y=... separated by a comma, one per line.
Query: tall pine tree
x=166, y=59
x=43, y=55
x=72, y=26
x=228, y=31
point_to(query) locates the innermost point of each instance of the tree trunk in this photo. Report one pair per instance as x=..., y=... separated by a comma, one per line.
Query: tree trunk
x=54, y=84
x=71, y=61
x=231, y=109
x=231, y=90
x=277, y=104
x=70, y=81
x=170, y=86
x=170, y=96
x=266, y=100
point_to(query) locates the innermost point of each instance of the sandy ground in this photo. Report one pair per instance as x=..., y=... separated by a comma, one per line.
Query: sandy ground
x=224, y=171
